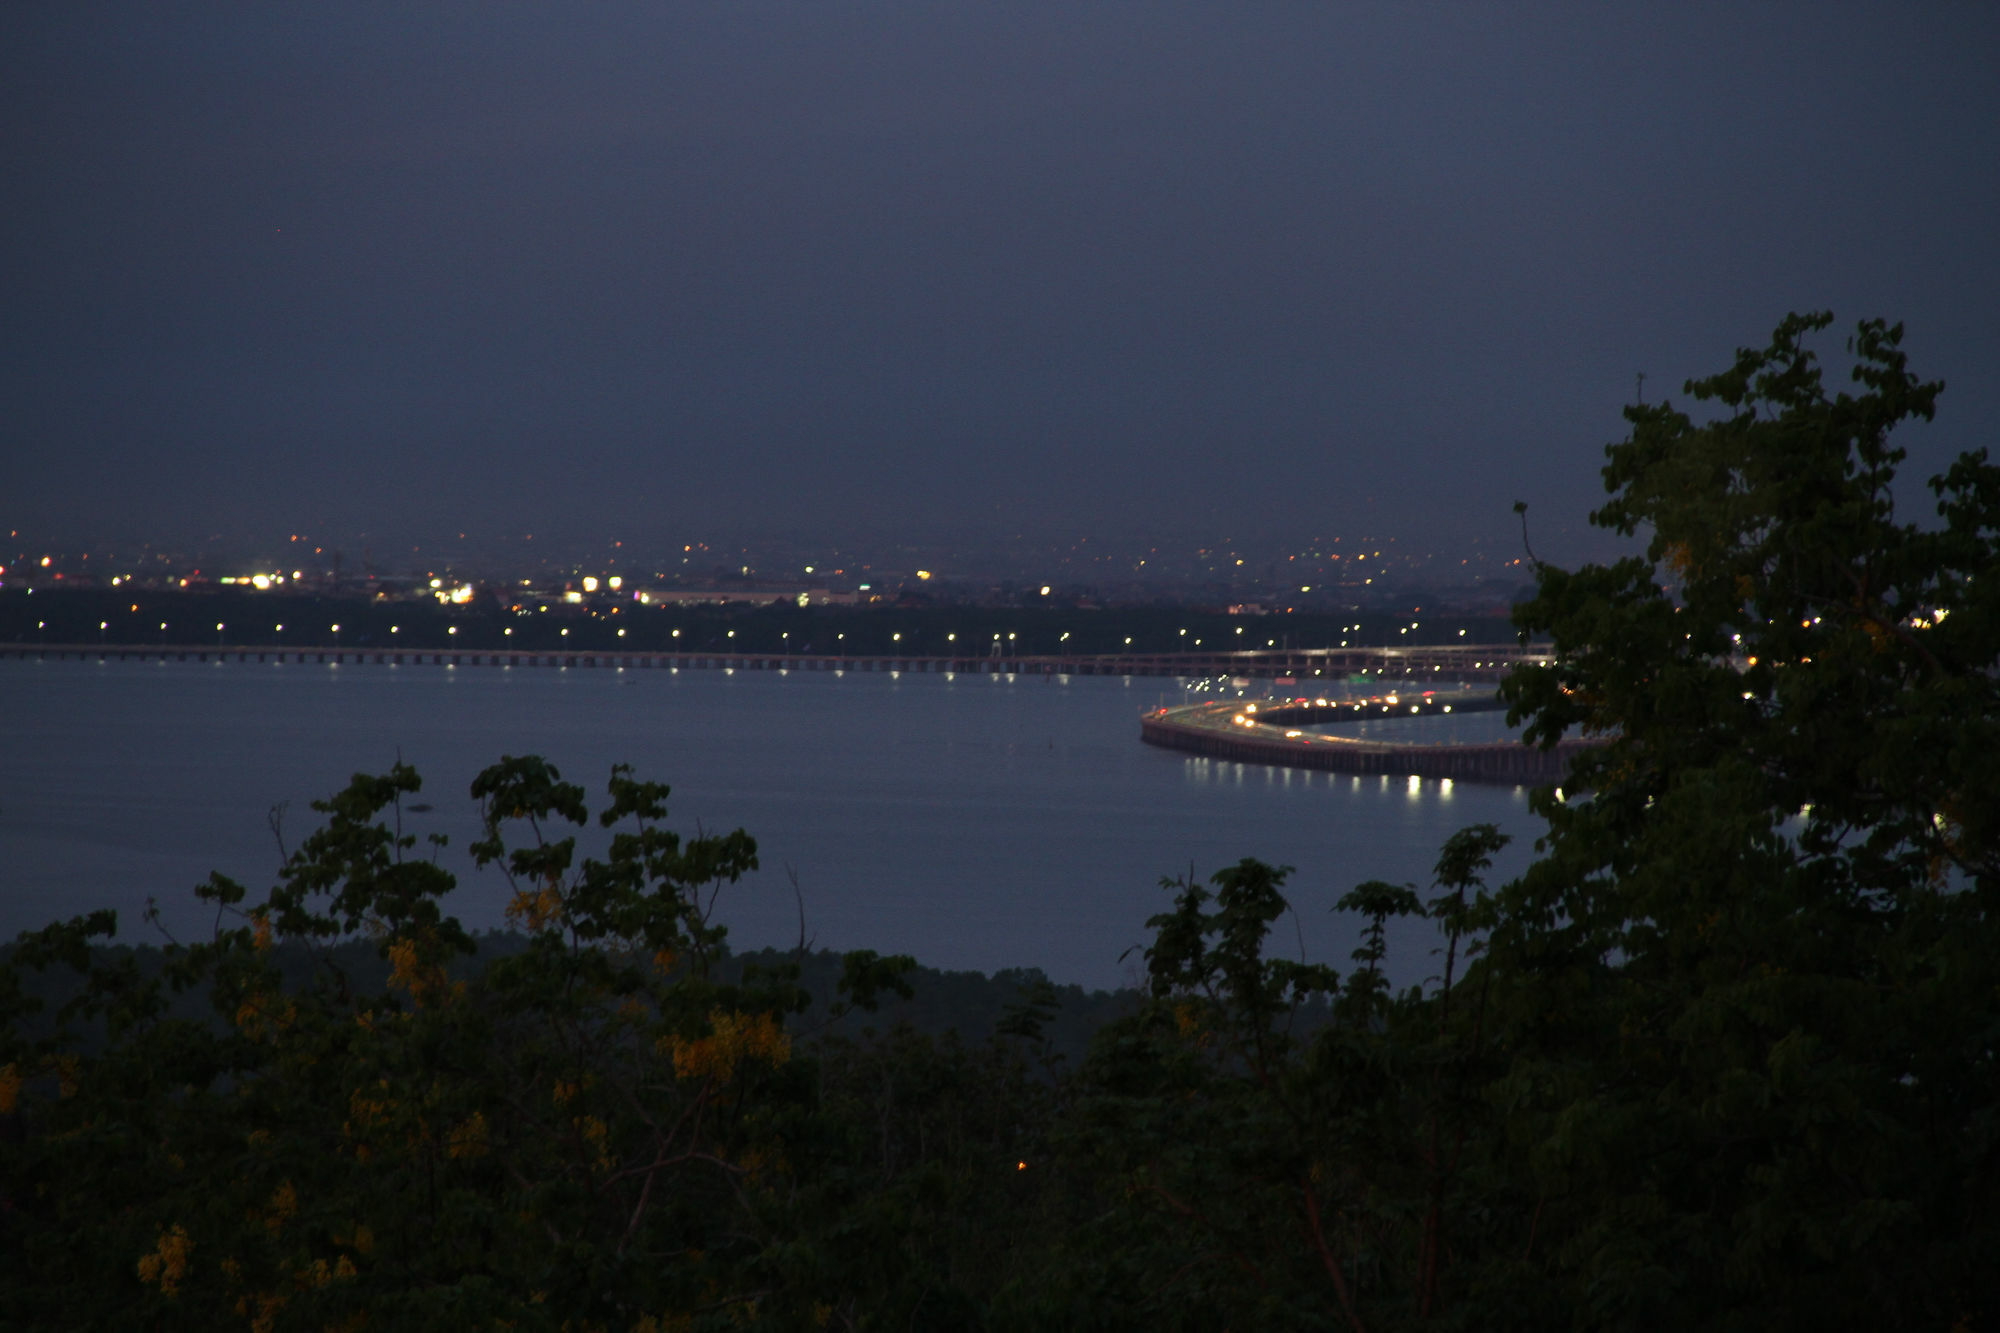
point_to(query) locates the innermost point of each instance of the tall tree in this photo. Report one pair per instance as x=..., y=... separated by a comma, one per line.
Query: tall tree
x=1748, y=991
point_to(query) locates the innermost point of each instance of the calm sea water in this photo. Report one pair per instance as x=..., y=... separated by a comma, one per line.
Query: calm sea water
x=976, y=822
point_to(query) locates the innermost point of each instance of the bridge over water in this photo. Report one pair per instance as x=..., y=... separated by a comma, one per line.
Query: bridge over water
x=1458, y=662
x=1413, y=680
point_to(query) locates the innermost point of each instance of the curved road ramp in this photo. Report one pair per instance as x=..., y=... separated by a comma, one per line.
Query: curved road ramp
x=1276, y=731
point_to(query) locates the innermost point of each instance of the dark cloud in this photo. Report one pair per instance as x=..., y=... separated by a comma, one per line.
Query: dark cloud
x=855, y=267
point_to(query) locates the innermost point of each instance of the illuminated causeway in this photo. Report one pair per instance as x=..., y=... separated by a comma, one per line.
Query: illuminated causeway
x=1274, y=731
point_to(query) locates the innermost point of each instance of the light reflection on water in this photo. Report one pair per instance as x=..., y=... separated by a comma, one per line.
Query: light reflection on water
x=977, y=821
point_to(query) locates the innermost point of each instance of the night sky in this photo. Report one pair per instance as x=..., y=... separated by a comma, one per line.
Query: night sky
x=855, y=268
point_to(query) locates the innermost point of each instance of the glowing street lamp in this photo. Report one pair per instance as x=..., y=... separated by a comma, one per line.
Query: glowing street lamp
x=218, y=633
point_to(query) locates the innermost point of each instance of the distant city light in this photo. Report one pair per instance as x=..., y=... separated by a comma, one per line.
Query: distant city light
x=590, y=583
x=615, y=582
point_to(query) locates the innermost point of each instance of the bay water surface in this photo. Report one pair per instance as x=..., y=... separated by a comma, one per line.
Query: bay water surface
x=977, y=822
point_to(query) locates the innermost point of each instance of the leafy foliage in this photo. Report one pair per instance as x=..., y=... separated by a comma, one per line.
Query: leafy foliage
x=1723, y=1056
x=594, y=1131
x=1749, y=987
